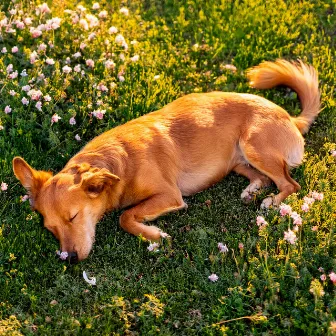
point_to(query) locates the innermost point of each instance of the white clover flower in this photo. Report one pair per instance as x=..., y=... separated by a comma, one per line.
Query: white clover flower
x=50, y=61
x=77, y=137
x=124, y=11
x=135, y=58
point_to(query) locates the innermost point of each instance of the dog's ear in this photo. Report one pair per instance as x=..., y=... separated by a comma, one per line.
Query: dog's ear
x=30, y=178
x=96, y=180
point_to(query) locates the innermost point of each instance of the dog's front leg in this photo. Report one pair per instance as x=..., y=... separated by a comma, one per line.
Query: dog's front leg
x=159, y=204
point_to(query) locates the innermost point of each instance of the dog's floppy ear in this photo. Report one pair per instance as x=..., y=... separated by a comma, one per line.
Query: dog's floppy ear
x=96, y=180
x=30, y=178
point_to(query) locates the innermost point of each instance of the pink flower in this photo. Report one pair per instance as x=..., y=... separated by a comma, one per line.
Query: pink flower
x=47, y=98
x=77, y=68
x=34, y=94
x=119, y=39
x=317, y=196
x=33, y=56
x=99, y=114
x=4, y=50
x=333, y=153
x=39, y=106
x=4, y=186
x=63, y=255
x=8, y=109
x=66, y=69
x=297, y=218
x=77, y=54
x=295, y=228
x=90, y=63
x=9, y=68
x=241, y=246
x=53, y=23
x=321, y=269
x=109, y=64
x=285, y=209
x=77, y=137
x=323, y=277
x=42, y=9
x=305, y=207
x=55, y=118
x=213, y=277
x=72, y=121
x=222, y=248
x=261, y=220
x=114, y=30
x=24, y=198
x=42, y=47
x=93, y=20
x=121, y=78
x=25, y=101
x=28, y=21
x=12, y=93
x=15, y=49
x=26, y=88
x=35, y=32
x=153, y=247
x=290, y=236
x=308, y=200
x=164, y=235
x=332, y=277
x=13, y=75
x=20, y=25
x=95, y=5
x=314, y=228
x=84, y=24
x=102, y=87
x=82, y=46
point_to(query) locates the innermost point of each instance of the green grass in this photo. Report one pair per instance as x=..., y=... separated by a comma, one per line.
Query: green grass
x=264, y=288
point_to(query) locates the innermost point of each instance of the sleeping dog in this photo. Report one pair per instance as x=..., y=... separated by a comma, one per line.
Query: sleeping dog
x=149, y=163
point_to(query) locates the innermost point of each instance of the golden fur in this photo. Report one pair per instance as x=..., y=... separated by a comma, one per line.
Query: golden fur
x=149, y=163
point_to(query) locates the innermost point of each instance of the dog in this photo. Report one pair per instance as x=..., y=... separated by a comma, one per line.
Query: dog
x=149, y=163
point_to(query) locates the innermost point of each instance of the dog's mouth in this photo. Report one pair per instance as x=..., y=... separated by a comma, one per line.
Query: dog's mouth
x=71, y=257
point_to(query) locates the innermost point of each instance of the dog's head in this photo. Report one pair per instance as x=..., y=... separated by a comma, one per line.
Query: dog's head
x=71, y=202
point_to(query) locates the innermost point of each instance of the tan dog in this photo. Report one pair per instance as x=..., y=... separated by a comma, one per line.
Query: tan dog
x=149, y=163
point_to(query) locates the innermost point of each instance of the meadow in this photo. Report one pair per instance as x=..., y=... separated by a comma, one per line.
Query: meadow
x=70, y=70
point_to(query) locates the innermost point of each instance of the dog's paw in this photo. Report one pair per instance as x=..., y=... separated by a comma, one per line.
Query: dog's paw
x=267, y=203
x=246, y=197
x=152, y=233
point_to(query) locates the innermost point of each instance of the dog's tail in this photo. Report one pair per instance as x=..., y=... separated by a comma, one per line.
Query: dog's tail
x=300, y=77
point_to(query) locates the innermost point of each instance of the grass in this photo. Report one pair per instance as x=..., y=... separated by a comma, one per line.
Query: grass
x=269, y=286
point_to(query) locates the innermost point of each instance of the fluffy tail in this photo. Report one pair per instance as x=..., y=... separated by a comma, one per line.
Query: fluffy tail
x=300, y=77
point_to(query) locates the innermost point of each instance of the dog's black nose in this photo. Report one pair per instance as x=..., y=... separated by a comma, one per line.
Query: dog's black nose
x=73, y=257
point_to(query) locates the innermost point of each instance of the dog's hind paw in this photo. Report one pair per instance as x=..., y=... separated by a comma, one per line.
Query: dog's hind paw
x=267, y=203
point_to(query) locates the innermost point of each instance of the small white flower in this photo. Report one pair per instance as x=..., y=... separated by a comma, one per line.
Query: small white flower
x=8, y=109
x=47, y=98
x=77, y=68
x=290, y=236
x=213, y=277
x=26, y=88
x=15, y=49
x=50, y=61
x=164, y=234
x=156, y=77
x=24, y=73
x=4, y=50
x=55, y=118
x=91, y=281
x=25, y=101
x=124, y=11
x=72, y=121
x=113, y=30
x=96, y=5
x=12, y=93
x=77, y=137
x=66, y=69
x=9, y=68
x=153, y=247
x=121, y=78
x=222, y=248
x=39, y=106
x=62, y=255
x=135, y=58
x=77, y=55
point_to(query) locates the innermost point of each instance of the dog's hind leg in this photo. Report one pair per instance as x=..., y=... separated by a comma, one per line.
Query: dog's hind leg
x=272, y=164
x=257, y=181
x=157, y=205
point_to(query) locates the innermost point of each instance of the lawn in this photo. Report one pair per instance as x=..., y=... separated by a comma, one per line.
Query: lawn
x=72, y=70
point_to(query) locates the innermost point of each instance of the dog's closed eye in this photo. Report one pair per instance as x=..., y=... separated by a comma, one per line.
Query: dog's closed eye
x=73, y=217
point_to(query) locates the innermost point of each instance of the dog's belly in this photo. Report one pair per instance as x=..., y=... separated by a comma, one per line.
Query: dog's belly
x=199, y=179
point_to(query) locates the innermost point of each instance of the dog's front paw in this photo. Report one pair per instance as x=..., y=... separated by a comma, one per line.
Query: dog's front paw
x=267, y=203
x=246, y=197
